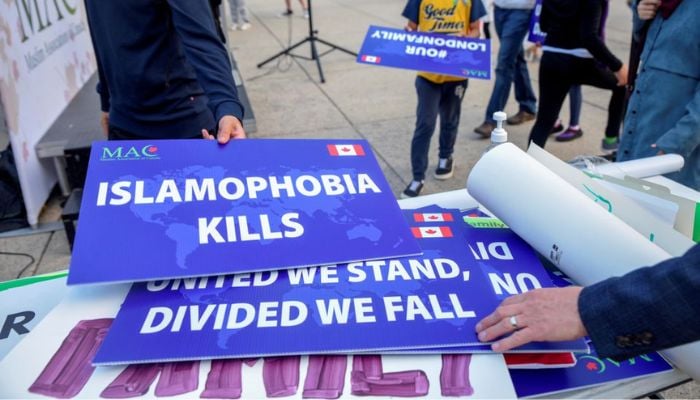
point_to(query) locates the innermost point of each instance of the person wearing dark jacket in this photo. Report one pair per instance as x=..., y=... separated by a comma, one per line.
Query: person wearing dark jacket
x=163, y=71
x=574, y=54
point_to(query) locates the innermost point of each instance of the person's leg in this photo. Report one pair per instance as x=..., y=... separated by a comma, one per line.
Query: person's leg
x=511, y=39
x=450, y=111
x=573, y=131
x=554, y=84
x=304, y=5
x=525, y=96
x=235, y=17
x=426, y=116
x=592, y=73
x=243, y=10
x=575, y=102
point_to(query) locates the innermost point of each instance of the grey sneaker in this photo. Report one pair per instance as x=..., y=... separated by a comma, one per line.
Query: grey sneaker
x=609, y=147
x=445, y=169
x=412, y=190
x=485, y=129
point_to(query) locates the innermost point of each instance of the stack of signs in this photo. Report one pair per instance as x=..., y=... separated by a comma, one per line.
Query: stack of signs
x=429, y=52
x=429, y=303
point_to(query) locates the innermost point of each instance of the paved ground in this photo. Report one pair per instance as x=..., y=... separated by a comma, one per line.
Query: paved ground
x=357, y=101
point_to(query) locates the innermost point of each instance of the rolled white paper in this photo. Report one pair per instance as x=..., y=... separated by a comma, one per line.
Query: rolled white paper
x=586, y=242
x=643, y=167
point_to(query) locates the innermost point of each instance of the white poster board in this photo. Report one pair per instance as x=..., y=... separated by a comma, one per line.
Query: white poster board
x=45, y=58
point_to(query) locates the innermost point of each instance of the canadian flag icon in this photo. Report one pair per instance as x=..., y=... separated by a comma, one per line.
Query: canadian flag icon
x=346, y=150
x=432, y=217
x=371, y=59
x=432, y=232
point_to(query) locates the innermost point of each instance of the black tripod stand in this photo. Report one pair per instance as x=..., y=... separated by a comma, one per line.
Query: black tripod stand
x=312, y=39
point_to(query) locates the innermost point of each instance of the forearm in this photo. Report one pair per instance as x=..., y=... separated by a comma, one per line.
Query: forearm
x=646, y=310
x=207, y=54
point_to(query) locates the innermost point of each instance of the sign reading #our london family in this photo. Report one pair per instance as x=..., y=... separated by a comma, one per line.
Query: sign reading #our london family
x=432, y=300
x=427, y=52
x=184, y=208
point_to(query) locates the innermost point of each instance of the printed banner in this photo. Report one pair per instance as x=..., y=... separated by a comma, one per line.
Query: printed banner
x=427, y=52
x=24, y=302
x=45, y=58
x=187, y=208
x=433, y=300
x=55, y=362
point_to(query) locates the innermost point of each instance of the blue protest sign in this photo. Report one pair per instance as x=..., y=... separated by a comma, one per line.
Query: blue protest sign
x=590, y=370
x=535, y=34
x=427, y=52
x=185, y=208
x=432, y=300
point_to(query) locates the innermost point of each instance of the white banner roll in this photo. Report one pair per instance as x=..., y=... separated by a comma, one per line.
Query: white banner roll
x=586, y=242
x=643, y=167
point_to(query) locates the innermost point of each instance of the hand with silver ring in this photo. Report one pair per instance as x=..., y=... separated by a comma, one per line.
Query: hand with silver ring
x=513, y=322
x=538, y=315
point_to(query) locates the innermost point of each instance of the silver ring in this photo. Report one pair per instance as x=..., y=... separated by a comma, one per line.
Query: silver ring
x=513, y=322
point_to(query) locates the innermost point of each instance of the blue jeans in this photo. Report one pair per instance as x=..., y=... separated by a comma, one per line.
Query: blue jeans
x=511, y=27
x=444, y=99
x=575, y=101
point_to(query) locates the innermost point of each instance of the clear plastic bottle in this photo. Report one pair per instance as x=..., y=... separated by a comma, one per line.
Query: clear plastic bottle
x=499, y=135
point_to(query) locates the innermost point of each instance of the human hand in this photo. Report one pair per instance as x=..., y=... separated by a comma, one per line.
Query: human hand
x=410, y=26
x=621, y=75
x=230, y=127
x=104, y=122
x=541, y=315
x=646, y=9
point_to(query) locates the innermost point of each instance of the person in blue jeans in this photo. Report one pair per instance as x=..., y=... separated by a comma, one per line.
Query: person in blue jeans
x=573, y=131
x=438, y=94
x=512, y=20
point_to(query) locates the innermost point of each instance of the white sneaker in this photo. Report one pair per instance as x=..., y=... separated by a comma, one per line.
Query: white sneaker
x=245, y=26
x=306, y=14
x=234, y=27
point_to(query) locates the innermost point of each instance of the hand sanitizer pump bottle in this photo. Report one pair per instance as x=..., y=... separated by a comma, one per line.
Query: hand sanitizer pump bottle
x=499, y=135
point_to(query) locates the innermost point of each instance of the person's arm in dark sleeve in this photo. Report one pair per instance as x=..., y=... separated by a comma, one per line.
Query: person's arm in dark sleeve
x=647, y=309
x=412, y=13
x=194, y=24
x=592, y=14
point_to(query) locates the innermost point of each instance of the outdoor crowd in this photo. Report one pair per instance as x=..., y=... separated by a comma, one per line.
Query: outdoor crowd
x=164, y=72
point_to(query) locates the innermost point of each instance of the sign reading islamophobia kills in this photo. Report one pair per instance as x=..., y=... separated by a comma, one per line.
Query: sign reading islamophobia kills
x=427, y=52
x=185, y=208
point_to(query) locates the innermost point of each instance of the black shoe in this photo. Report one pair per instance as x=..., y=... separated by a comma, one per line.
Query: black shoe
x=520, y=118
x=445, y=169
x=287, y=13
x=558, y=127
x=485, y=129
x=412, y=190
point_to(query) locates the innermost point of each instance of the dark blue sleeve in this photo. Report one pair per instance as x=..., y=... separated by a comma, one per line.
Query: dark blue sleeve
x=194, y=25
x=478, y=11
x=412, y=10
x=648, y=309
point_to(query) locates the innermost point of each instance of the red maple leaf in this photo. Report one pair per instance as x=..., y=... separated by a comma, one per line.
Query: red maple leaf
x=152, y=149
x=345, y=149
x=430, y=231
x=432, y=217
x=591, y=366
